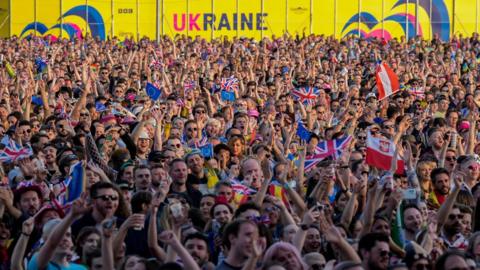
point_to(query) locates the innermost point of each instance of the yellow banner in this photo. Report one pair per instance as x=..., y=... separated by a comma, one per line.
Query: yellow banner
x=242, y=18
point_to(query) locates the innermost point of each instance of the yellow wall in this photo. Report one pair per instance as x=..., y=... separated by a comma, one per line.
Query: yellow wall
x=4, y=19
x=218, y=18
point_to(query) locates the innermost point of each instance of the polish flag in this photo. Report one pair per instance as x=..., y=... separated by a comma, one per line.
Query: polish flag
x=380, y=153
x=387, y=81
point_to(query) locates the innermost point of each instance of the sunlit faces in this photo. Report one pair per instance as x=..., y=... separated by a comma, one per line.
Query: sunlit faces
x=222, y=214
x=106, y=201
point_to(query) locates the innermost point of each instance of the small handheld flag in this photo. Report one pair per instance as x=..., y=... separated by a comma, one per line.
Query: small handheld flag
x=155, y=64
x=41, y=64
x=153, y=92
x=331, y=148
x=75, y=183
x=11, y=72
x=37, y=100
x=100, y=107
x=387, y=81
x=227, y=96
x=189, y=85
x=14, y=151
x=302, y=132
x=229, y=84
x=306, y=95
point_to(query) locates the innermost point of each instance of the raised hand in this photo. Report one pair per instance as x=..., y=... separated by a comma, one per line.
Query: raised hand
x=258, y=247
x=311, y=216
x=168, y=237
x=80, y=206
x=332, y=234
x=28, y=225
x=135, y=220
x=108, y=229
x=158, y=198
x=458, y=178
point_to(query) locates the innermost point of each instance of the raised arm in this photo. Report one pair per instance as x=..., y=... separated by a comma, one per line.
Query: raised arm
x=158, y=116
x=171, y=239
x=333, y=236
x=19, y=250
x=450, y=201
x=292, y=194
x=349, y=212
x=308, y=219
x=79, y=207
x=135, y=220
x=153, y=246
x=472, y=118
x=265, y=184
x=107, y=247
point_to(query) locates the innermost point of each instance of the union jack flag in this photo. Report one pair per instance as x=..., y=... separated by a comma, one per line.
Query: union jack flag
x=202, y=142
x=180, y=102
x=14, y=151
x=156, y=64
x=418, y=92
x=326, y=149
x=312, y=161
x=189, y=85
x=333, y=147
x=230, y=84
x=306, y=95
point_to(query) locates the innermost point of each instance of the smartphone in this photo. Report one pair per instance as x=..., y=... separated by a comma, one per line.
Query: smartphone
x=319, y=207
x=409, y=194
x=110, y=223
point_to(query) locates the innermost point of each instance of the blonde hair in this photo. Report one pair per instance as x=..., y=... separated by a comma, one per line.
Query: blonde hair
x=272, y=250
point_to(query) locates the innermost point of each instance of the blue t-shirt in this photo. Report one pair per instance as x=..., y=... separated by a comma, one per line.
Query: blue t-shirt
x=32, y=265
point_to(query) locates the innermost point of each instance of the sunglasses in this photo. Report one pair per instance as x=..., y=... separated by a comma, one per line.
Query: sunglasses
x=453, y=216
x=384, y=253
x=387, y=126
x=191, y=129
x=107, y=197
x=27, y=131
x=450, y=158
x=473, y=167
x=200, y=112
x=270, y=209
x=84, y=114
x=362, y=137
x=60, y=126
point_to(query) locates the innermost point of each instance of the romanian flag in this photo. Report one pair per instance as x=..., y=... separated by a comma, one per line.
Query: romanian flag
x=276, y=189
x=75, y=183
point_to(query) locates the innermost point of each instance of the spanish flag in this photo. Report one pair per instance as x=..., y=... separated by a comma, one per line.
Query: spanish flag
x=276, y=189
x=241, y=193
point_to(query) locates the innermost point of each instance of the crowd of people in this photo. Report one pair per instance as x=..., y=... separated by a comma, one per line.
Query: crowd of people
x=211, y=169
